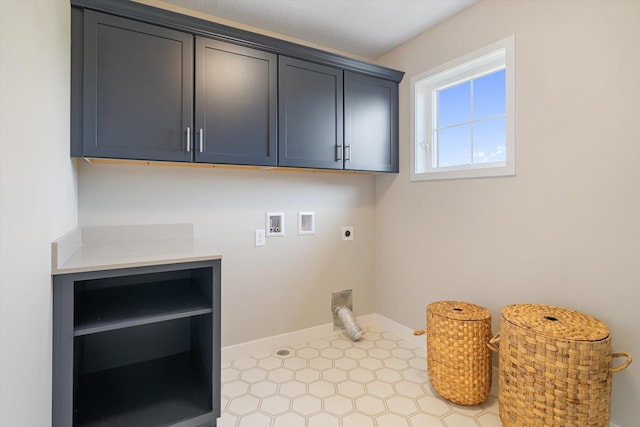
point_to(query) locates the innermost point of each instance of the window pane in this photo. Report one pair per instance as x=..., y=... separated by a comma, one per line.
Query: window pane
x=454, y=104
x=454, y=146
x=489, y=141
x=489, y=95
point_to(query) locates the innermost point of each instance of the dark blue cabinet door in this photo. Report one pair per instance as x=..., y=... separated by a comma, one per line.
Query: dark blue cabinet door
x=138, y=90
x=310, y=115
x=370, y=123
x=236, y=104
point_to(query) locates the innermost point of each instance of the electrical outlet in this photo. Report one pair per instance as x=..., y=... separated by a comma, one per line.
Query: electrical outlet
x=347, y=233
x=260, y=238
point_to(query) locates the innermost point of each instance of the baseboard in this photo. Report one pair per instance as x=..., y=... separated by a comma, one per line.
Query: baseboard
x=270, y=344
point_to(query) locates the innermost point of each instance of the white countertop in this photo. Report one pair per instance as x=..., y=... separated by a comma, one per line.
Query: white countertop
x=107, y=248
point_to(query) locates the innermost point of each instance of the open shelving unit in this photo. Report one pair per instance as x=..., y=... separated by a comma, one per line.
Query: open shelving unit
x=104, y=309
x=138, y=347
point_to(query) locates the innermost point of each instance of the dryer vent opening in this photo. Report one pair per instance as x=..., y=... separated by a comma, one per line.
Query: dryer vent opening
x=350, y=323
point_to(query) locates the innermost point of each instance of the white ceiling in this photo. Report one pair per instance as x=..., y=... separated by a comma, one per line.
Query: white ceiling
x=367, y=28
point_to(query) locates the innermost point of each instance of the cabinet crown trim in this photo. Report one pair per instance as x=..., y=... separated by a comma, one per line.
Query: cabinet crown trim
x=197, y=26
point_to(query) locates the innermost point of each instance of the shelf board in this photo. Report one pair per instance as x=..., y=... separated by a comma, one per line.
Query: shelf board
x=107, y=309
x=168, y=391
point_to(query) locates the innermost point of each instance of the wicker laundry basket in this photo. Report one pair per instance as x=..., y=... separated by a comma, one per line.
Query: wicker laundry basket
x=555, y=367
x=458, y=360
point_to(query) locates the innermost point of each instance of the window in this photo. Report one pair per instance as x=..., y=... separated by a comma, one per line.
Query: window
x=463, y=116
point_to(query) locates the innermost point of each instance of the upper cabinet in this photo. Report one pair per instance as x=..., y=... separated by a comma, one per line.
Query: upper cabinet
x=334, y=120
x=236, y=104
x=149, y=84
x=370, y=123
x=137, y=91
x=311, y=115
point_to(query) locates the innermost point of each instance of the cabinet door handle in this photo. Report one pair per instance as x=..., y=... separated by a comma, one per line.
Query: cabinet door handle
x=201, y=140
x=188, y=139
x=338, y=152
x=347, y=153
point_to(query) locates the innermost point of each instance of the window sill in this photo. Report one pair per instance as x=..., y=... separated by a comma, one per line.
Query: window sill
x=463, y=174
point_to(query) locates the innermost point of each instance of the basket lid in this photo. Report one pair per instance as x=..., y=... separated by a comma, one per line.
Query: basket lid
x=459, y=310
x=556, y=322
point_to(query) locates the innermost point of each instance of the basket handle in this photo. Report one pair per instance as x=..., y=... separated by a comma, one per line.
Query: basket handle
x=418, y=332
x=625, y=364
x=493, y=342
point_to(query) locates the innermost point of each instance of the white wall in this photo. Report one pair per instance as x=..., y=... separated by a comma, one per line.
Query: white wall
x=565, y=230
x=37, y=197
x=281, y=287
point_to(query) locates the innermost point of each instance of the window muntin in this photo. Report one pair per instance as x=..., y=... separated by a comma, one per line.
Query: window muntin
x=470, y=117
x=462, y=117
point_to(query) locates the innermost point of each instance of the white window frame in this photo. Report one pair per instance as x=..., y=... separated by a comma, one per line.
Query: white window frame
x=496, y=56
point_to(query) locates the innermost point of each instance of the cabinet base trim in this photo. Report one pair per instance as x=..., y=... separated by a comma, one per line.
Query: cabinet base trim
x=103, y=161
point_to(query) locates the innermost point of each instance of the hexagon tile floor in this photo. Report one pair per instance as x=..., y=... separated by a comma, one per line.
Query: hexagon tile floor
x=379, y=381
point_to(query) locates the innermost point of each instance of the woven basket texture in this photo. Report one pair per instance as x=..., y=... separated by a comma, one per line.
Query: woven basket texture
x=458, y=360
x=555, y=367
